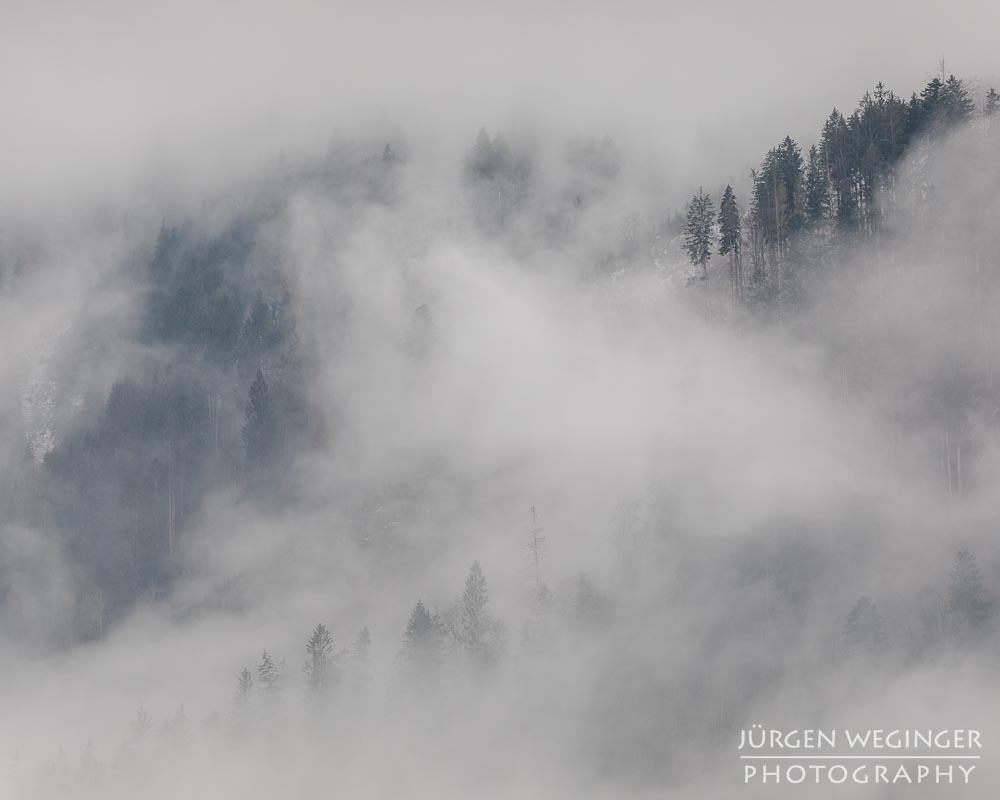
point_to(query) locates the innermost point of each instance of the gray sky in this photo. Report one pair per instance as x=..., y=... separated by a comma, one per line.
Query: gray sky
x=95, y=94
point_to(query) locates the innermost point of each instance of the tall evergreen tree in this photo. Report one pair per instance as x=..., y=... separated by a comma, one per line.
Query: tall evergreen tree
x=360, y=663
x=835, y=155
x=421, y=652
x=260, y=429
x=864, y=631
x=241, y=713
x=591, y=607
x=698, y=233
x=956, y=102
x=731, y=240
x=816, y=187
x=969, y=605
x=268, y=675
x=321, y=669
x=478, y=631
x=991, y=110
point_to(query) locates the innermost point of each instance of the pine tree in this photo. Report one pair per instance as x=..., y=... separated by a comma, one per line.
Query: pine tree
x=816, y=188
x=835, y=155
x=241, y=702
x=321, y=669
x=268, y=676
x=592, y=608
x=244, y=686
x=698, y=234
x=360, y=657
x=260, y=425
x=420, y=654
x=731, y=240
x=478, y=632
x=969, y=606
x=991, y=110
x=142, y=723
x=164, y=253
x=864, y=631
x=955, y=102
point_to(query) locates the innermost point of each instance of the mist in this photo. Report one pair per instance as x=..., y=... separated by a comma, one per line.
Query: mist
x=313, y=312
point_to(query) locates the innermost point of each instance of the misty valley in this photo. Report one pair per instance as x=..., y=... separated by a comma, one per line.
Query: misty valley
x=394, y=469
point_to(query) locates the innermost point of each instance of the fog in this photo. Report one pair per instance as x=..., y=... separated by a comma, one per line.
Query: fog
x=456, y=362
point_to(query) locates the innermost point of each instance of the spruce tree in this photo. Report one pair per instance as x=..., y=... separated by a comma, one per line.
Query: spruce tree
x=816, y=187
x=268, y=676
x=420, y=654
x=244, y=686
x=991, y=110
x=864, y=631
x=731, y=240
x=478, y=632
x=260, y=432
x=956, y=103
x=360, y=657
x=969, y=605
x=591, y=608
x=698, y=233
x=320, y=669
x=241, y=714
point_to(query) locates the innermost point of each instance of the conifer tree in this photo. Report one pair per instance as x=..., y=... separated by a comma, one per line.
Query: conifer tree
x=816, y=187
x=260, y=426
x=241, y=701
x=360, y=657
x=864, y=631
x=592, y=608
x=321, y=669
x=244, y=686
x=420, y=654
x=478, y=632
x=731, y=240
x=991, y=110
x=969, y=606
x=698, y=233
x=268, y=676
